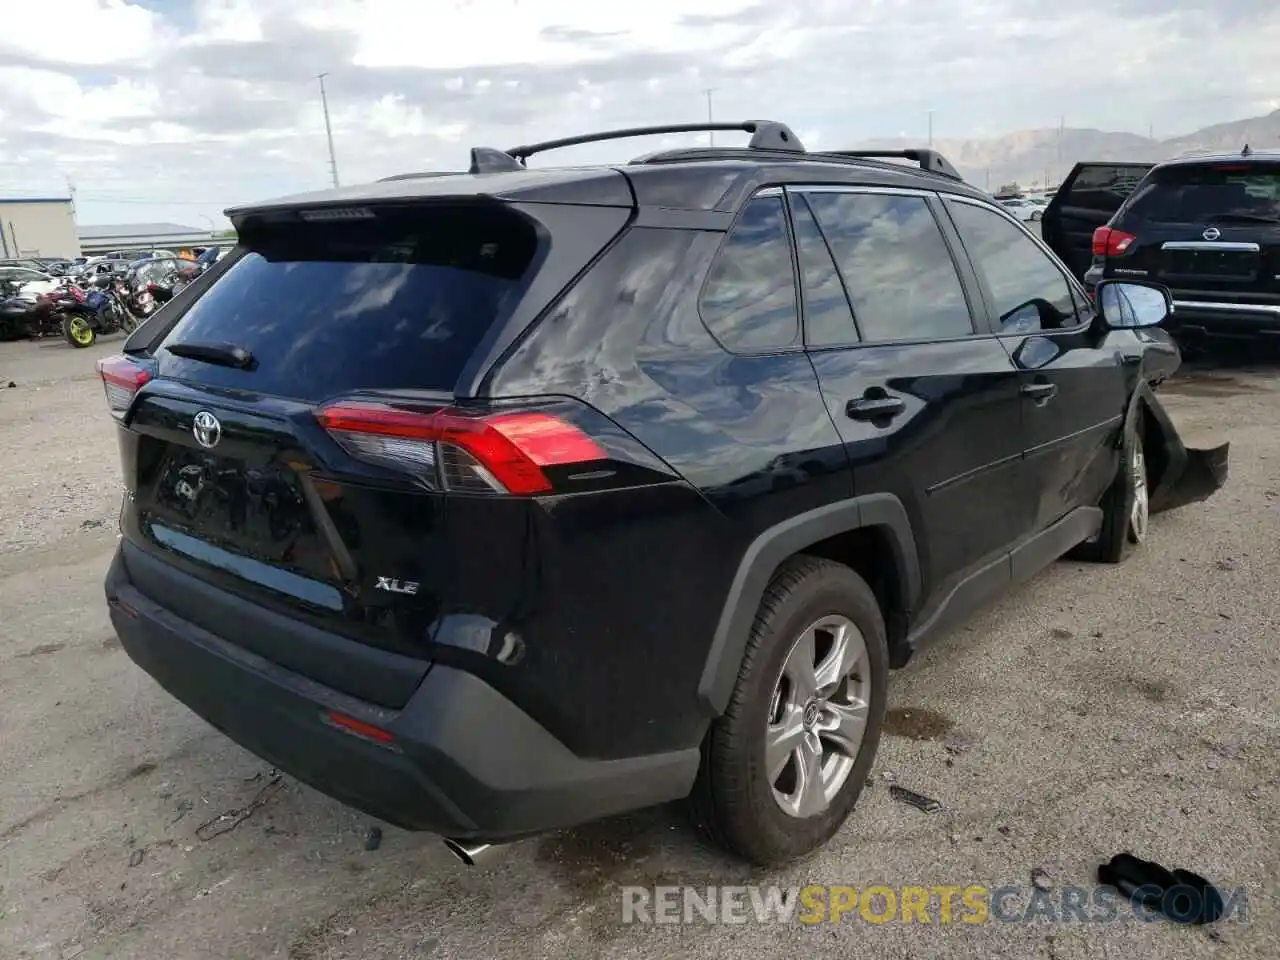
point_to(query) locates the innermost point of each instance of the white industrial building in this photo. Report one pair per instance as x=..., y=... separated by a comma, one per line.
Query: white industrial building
x=38, y=227
x=138, y=237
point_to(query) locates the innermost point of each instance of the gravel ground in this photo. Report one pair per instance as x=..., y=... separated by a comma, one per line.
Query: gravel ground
x=1094, y=710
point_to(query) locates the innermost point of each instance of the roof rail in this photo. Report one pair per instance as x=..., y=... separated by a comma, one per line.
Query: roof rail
x=930, y=160
x=419, y=176
x=765, y=135
x=832, y=156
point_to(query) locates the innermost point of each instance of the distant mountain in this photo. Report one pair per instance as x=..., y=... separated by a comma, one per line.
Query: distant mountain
x=1028, y=157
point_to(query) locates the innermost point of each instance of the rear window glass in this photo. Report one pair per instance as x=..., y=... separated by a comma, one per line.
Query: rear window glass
x=1104, y=186
x=1203, y=192
x=329, y=308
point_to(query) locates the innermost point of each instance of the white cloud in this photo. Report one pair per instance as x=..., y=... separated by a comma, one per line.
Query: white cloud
x=82, y=32
x=451, y=34
x=174, y=109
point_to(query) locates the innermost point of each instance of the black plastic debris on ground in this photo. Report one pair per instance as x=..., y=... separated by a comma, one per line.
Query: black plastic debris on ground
x=913, y=799
x=1180, y=895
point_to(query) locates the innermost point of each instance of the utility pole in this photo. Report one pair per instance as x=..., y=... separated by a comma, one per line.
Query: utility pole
x=1062, y=129
x=71, y=192
x=711, y=134
x=328, y=128
x=931, y=129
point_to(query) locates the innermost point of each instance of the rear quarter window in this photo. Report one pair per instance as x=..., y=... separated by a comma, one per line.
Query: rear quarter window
x=400, y=302
x=749, y=301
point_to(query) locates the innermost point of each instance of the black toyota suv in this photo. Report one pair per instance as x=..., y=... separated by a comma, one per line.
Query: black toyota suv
x=1208, y=227
x=499, y=501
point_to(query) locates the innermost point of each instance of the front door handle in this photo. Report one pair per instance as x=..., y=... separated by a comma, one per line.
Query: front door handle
x=1041, y=392
x=875, y=408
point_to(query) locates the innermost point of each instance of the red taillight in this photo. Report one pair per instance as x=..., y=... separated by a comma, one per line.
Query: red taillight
x=458, y=449
x=122, y=378
x=1110, y=242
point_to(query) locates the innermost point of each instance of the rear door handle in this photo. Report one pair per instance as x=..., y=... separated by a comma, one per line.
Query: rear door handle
x=1040, y=392
x=875, y=408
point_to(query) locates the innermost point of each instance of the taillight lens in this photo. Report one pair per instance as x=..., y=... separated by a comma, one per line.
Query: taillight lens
x=122, y=378
x=461, y=450
x=1110, y=242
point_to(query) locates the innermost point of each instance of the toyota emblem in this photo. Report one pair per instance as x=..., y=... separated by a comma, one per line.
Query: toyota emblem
x=206, y=429
x=1213, y=233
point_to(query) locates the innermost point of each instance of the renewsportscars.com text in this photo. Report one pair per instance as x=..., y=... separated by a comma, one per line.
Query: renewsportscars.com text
x=971, y=904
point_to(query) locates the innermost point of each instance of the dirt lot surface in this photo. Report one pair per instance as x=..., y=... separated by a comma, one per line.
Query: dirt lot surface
x=1095, y=710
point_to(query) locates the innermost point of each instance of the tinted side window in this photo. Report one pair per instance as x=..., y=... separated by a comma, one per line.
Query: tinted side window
x=1100, y=187
x=1030, y=292
x=896, y=266
x=828, y=320
x=749, y=302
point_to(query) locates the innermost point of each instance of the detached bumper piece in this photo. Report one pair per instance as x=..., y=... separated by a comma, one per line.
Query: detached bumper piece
x=1204, y=473
x=1190, y=475
x=459, y=759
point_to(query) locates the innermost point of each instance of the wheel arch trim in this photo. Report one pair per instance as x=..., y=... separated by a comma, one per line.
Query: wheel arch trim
x=768, y=551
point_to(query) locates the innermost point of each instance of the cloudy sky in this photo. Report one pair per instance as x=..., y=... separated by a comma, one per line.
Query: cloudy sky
x=175, y=109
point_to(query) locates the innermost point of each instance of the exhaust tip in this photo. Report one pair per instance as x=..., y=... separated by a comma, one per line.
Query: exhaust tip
x=466, y=851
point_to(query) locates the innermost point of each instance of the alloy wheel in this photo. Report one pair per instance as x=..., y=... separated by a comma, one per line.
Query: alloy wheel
x=817, y=716
x=1141, y=512
x=80, y=330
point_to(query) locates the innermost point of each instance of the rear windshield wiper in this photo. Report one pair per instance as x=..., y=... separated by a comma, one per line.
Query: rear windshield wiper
x=222, y=354
x=1243, y=218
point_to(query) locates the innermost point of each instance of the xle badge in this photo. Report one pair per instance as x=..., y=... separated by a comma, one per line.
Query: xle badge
x=391, y=585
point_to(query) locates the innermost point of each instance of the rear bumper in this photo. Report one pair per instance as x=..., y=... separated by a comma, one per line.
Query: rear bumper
x=1222, y=320
x=465, y=762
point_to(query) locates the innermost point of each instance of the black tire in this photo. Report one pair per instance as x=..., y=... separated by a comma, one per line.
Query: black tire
x=732, y=801
x=1116, y=540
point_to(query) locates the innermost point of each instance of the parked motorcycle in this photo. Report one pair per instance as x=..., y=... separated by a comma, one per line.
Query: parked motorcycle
x=104, y=310
x=49, y=311
x=153, y=283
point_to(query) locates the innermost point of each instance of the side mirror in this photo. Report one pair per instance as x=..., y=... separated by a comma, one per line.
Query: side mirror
x=1128, y=305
